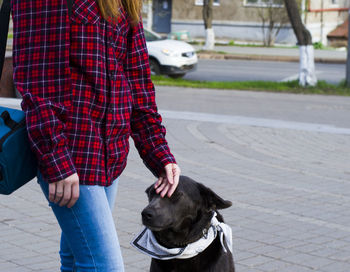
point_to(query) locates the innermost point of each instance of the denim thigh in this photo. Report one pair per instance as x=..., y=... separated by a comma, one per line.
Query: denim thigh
x=66, y=254
x=89, y=229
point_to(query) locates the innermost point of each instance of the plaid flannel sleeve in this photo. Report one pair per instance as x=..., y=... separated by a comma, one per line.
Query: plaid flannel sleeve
x=147, y=130
x=42, y=76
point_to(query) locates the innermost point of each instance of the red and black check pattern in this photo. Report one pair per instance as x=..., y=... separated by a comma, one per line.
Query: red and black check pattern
x=86, y=88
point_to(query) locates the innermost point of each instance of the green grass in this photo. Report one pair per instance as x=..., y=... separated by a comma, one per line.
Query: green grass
x=10, y=36
x=232, y=43
x=322, y=87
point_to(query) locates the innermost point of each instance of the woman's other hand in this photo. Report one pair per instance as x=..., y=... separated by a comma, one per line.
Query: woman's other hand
x=167, y=183
x=65, y=192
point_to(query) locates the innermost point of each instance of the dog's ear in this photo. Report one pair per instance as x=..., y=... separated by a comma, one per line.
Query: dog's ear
x=211, y=200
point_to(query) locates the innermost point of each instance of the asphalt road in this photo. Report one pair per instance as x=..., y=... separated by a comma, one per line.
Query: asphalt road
x=290, y=108
x=242, y=70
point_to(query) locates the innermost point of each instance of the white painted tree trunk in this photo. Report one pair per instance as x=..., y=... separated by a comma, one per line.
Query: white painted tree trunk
x=307, y=74
x=209, y=39
x=150, y=14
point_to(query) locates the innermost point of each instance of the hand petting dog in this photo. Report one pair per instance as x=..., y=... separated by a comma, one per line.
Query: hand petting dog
x=168, y=181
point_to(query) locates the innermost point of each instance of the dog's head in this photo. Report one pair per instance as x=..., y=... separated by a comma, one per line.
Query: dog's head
x=189, y=202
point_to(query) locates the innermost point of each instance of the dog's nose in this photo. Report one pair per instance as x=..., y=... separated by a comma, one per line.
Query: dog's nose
x=147, y=214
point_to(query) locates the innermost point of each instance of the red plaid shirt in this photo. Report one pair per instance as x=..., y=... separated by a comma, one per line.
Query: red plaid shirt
x=86, y=88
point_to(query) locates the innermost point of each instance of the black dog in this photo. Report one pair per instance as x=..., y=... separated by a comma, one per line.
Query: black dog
x=182, y=220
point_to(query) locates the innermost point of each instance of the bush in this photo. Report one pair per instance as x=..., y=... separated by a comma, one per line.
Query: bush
x=318, y=45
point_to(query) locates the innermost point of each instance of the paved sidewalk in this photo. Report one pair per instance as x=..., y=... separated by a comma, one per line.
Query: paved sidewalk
x=289, y=182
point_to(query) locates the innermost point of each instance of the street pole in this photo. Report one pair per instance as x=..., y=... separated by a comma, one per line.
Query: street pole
x=348, y=58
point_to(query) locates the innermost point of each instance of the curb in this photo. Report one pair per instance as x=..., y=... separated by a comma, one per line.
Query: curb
x=217, y=56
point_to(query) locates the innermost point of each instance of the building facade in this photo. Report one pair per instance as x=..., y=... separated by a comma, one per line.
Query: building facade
x=241, y=19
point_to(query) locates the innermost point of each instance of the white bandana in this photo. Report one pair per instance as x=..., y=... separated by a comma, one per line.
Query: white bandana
x=147, y=243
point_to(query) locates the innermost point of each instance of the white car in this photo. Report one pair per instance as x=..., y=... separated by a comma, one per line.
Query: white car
x=170, y=57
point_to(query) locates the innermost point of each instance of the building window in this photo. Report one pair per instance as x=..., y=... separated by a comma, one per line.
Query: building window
x=200, y=2
x=334, y=2
x=263, y=3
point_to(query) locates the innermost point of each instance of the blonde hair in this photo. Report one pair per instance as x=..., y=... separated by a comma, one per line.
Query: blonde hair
x=110, y=9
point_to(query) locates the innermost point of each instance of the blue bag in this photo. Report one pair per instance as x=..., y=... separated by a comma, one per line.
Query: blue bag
x=18, y=163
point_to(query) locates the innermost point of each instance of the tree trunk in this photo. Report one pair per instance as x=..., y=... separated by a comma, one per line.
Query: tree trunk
x=150, y=14
x=208, y=24
x=263, y=27
x=307, y=75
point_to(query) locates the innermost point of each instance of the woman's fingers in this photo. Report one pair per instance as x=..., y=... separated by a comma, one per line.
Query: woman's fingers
x=67, y=194
x=52, y=191
x=165, y=190
x=158, y=182
x=162, y=186
x=169, y=173
x=168, y=184
x=173, y=187
x=59, y=192
x=75, y=195
x=174, y=172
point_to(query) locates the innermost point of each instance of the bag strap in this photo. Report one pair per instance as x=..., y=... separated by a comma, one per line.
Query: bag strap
x=12, y=124
x=4, y=27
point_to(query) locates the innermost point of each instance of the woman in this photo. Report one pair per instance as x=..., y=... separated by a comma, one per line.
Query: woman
x=86, y=87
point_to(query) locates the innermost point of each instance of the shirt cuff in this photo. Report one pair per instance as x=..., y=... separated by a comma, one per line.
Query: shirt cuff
x=57, y=165
x=158, y=159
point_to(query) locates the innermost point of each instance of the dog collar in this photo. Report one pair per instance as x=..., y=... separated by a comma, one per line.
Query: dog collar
x=146, y=243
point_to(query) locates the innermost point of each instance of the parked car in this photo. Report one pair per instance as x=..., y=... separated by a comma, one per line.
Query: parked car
x=170, y=57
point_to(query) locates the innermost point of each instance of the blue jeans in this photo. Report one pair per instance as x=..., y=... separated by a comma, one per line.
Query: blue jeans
x=89, y=240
